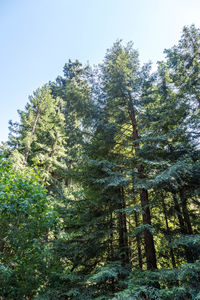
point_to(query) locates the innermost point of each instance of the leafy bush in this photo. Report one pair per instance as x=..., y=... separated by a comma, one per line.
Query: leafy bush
x=25, y=220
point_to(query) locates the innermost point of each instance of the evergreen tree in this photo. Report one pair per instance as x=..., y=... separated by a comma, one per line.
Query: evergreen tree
x=121, y=83
x=118, y=148
x=40, y=135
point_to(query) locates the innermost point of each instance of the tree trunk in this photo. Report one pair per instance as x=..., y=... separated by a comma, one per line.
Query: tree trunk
x=169, y=234
x=185, y=212
x=122, y=230
x=183, y=228
x=126, y=244
x=148, y=237
x=111, y=250
x=138, y=241
x=179, y=214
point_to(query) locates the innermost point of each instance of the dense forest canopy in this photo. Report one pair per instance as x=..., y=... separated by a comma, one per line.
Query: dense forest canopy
x=100, y=182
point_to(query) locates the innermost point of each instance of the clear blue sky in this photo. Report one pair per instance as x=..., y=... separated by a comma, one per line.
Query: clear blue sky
x=37, y=37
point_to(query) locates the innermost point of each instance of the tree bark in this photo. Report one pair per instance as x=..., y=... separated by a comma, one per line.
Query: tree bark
x=138, y=241
x=111, y=250
x=169, y=234
x=126, y=244
x=183, y=228
x=179, y=214
x=185, y=212
x=122, y=230
x=148, y=237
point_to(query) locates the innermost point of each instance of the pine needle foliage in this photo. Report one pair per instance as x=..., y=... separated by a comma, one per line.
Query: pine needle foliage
x=117, y=147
